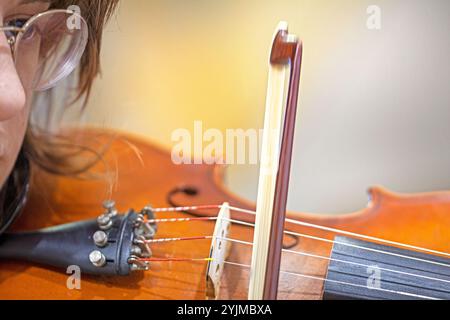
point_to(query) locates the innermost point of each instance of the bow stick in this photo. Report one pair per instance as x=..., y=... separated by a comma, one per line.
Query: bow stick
x=276, y=155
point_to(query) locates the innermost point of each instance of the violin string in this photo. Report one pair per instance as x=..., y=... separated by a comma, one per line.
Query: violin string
x=311, y=255
x=348, y=245
x=319, y=239
x=338, y=260
x=191, y=208
x=287, y=273
x=152, y=221
x=174, y=259
x=177, y=239
x=352, y=234
x=367, y=249
x=290, y=273
x=340, y=282
x=305, y=224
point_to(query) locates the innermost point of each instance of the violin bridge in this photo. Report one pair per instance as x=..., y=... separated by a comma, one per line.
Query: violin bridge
x=220, y=249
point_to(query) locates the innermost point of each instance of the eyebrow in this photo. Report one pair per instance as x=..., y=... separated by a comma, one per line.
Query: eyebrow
x=31, y=1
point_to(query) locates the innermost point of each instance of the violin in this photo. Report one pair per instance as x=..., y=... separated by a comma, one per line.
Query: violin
x=190, y=237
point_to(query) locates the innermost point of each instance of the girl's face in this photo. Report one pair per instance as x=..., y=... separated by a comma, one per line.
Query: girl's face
x=14, y=98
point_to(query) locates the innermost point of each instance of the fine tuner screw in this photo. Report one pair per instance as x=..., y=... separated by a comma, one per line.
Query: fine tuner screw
x=110, y=207
x=104, y=222
x=100, y=238
x=97, y=258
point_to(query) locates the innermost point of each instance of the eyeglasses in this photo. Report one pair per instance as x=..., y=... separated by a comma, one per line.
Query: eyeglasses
x=46, y=47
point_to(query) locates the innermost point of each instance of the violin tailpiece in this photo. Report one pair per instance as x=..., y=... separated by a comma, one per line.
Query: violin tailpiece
x=110, y=245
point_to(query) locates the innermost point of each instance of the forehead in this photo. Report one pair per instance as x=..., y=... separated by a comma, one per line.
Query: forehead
x=7, y=4
x=23, y=6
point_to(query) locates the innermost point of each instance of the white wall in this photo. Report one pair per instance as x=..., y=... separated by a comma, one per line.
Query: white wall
x=374, y=105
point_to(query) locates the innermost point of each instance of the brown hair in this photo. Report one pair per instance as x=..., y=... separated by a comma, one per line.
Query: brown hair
x=51, y=151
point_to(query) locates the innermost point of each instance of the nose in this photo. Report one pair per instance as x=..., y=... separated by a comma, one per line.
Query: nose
x=12, y=93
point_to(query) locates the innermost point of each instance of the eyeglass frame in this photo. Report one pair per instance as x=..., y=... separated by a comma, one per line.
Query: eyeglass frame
x=13, y=40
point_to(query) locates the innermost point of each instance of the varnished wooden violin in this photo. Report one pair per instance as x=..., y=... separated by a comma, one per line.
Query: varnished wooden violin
x=195, y=239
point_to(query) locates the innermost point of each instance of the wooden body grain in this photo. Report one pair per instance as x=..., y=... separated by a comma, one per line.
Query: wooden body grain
x=147, y=176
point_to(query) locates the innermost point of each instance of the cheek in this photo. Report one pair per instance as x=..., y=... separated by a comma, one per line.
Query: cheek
x=12, y=133
x=27, y=63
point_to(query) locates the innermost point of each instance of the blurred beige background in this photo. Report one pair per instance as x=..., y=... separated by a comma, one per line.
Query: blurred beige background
x=374, y=105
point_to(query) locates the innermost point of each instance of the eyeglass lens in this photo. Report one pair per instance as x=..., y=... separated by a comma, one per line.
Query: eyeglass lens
x=49, y=48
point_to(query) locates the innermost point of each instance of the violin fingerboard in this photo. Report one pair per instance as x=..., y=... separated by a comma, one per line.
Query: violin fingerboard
x=365, y=270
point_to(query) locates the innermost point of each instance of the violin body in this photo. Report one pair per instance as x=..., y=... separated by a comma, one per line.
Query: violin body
x=146, y=175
